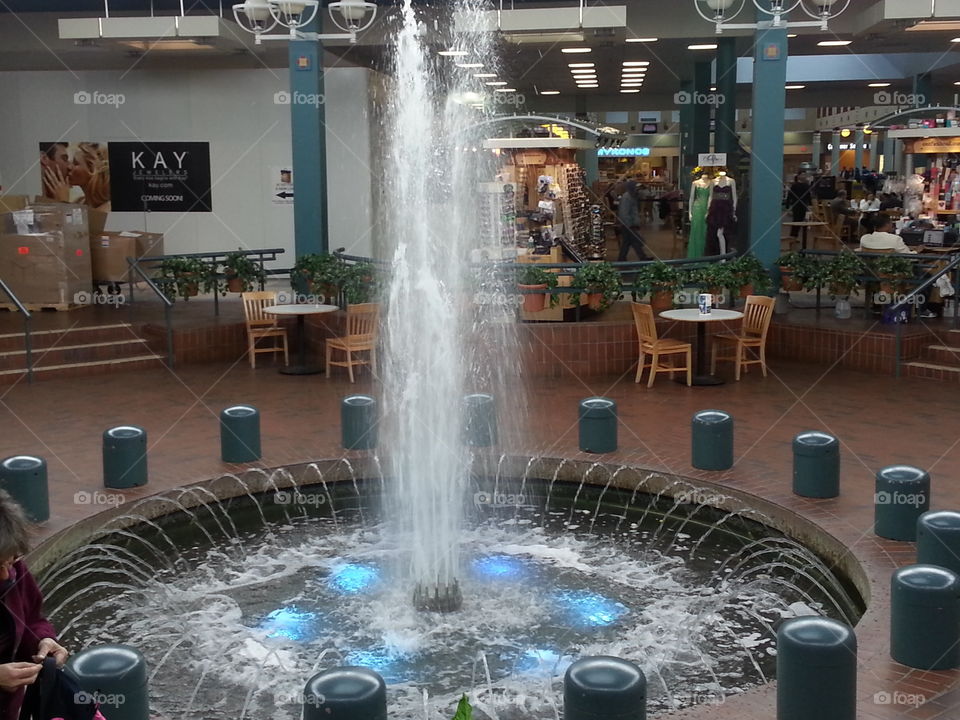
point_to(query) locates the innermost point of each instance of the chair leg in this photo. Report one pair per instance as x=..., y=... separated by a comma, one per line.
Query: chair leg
x=689, y=367
x=286, y=353
x=252, y=351
x=350, y=365
x=373, y=360
x=654, y=362
x=740, y=350
x=329, y=356
x=639, y=367
x=763, y=360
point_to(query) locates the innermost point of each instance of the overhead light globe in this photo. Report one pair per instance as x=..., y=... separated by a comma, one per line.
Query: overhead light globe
x=254, y=16
x=352, y=13
x=719, y=4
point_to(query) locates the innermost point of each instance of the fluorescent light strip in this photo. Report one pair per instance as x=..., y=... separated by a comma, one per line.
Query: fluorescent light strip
x=878, y=85
x=834, y=43
x=497, y=82
x=582, y=71
x=636, y=63
x=643, y=40
x=580, y=65
x=629, y=90
x=470, y=65
x=549, y=92
x=505, y=90
x=795, y=87
x=484, y=75
x=453, y=53
x=576, y=50
x=705, y=46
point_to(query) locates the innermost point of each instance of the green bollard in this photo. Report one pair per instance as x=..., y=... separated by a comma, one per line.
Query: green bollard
x=358, y=422
x=816, y=670
x=925, y=617
x=816, y=465
x=24, y=477
x=711, y=440
x=240, y=434
x=345, y=693
x=902, y=496
x=938, y=539
x=598, y=425
x=480, y=426
x=124, y=457
x=604, y=688
x=115, y=676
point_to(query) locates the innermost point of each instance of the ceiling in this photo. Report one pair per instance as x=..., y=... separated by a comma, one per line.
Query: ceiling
x=29, y=41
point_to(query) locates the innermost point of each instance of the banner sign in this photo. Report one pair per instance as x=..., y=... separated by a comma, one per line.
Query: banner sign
x=712, y=159
x=160, y=177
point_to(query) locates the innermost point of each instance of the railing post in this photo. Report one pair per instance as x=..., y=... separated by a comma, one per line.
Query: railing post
x=170, y=353
x=897, y=349
x=28, y=346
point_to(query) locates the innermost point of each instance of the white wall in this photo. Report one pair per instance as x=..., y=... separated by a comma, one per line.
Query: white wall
x=234, y=111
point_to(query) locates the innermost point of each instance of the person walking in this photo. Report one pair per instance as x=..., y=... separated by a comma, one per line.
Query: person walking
x=799, y=199
x=629, y=216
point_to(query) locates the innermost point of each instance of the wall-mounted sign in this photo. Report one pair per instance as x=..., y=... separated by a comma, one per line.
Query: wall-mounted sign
x=933, y=145
x=711, y=159
x=623, y=152
x=160, y=177
x=771, y=51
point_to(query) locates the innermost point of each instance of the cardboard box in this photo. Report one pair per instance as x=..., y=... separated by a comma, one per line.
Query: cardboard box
x=45, y=268
x=67, y=218
x=109, y=253
x=9, y=203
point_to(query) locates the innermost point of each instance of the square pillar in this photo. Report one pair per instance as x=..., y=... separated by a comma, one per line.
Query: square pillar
x=726, y=139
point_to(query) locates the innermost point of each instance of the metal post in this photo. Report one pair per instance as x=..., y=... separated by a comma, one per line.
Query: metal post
x=170, y=354
x=28, y=346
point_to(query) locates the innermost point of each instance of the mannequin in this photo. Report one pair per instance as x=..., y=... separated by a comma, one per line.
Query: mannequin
x=722, y=214
x=699, y=202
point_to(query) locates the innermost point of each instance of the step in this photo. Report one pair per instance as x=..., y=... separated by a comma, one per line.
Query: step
x=73, y=354
x=73, y=336
x=137, y=362
x=932, y=371
x=941, y=355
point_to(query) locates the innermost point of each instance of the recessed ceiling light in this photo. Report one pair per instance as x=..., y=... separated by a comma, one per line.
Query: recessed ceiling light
x=713, y=88
x=834, y=43
x=878, y=85
x=705, y=46
x=549, y=92
x=580, y=65
x=957, y=83
x=585, y=81
x=795, y=87
x=791, y=35
x=631, y=83
x=636, y=63
x=637, y=73
x=505, y=90
x=582, y=71
x=497, y=82
x=470, y=65
x=629, y=90
x=955, y=40
x=575, y=50
x=452, y=53
x=642, y=39
x=484, y=75
x=590, y=86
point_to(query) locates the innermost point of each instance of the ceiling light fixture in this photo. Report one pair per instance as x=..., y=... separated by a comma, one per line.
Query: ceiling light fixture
x=453, y=53
x=470, y=65
x=484, y=75
x=791, y=35
x=261, y=16
x=822, y=11
x=497, y=82
x=878, y=85
x=549, y=92
x=627, y=91
x=505, y=89
x=582, y=71
x=834, y=43
x=795, y=87
x=580, y=65
x=636, y=63
x=575, y=50
x=702, y=46
x=643, y=40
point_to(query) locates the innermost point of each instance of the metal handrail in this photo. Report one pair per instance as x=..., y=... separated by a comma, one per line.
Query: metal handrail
x=27, y=344
x=167, y=306
x=910, y=299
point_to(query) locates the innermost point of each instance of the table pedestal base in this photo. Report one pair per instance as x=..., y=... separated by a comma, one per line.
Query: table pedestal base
x=301, y=370
x=706, y=380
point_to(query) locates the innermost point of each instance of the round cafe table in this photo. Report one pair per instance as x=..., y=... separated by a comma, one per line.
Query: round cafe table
x=301, y=311
x=700, y=374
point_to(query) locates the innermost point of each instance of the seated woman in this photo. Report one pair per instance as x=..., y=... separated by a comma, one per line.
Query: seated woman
x=26, y=636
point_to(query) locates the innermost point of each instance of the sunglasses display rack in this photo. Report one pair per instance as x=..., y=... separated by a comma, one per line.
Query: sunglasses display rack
x=578, y=218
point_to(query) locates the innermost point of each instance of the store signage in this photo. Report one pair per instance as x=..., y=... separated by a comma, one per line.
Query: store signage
x=160, y=177
x=711, y=159
x=623, y=152
x=771, y=51
x=933, y=145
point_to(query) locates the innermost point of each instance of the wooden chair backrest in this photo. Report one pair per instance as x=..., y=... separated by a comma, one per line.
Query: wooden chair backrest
x=362, y=320
x=253, y=305
x=645, y=321
x=757, y=313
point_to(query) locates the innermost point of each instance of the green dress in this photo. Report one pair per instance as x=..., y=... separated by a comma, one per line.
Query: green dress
x=698, y=222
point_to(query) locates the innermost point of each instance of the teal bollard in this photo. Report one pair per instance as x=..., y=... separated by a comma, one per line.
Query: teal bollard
x=711, y=440
x=124, y=457
x=24, y=477
x=240, y=434
x=480, y=426
x=938, y=539
x=816, y=465
x=925, y=617
x=902, y=496
x=604, y=688
x=115, y=676
x=345, y=693
x=816, y=670
x=598, y=425
x=358, y=422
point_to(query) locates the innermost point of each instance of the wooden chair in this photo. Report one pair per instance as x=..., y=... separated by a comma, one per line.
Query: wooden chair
x=261, y=325
x=361, y=337
x=651, y=345
x=757, y=313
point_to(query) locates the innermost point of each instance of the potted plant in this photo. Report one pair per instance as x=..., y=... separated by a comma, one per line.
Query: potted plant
x=316, y=272
x=601, y=282
x=713, y=278
x=531, y=277
x=661, y=281
x=792, y=266
x=748, y=276
x=358, y=282
x=892, y=272
x=842, y=274
x=186, y=274
x=242, y=273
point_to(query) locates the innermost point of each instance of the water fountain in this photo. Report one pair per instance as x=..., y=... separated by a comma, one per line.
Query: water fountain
x=239, y=589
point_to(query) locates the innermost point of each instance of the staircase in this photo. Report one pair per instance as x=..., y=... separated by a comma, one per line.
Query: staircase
x=77, y=351
x=938, y=361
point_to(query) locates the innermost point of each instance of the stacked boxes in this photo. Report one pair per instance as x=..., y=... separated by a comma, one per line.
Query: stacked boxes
x=109, y=253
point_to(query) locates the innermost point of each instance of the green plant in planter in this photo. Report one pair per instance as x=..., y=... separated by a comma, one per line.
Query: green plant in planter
x=748, y=270
x=532, y=275
x=359, y=282
x=715, y=276
x=598, y=278
x=842, y=273
x=658, y=277
x=241, y=269
x=805, y=271
x=892, y=269
x=188, y=274
x=313, y=271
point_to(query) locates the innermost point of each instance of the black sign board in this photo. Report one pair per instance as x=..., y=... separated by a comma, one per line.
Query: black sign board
x=160, y=177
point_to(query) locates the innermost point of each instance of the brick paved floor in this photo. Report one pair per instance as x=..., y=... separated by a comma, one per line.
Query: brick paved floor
x=879, y=420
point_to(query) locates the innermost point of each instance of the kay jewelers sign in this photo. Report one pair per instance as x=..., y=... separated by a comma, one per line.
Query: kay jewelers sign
x=160, y=177
x=933, y=145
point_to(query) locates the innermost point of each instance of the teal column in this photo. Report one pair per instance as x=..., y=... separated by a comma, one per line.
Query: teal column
x=309, y=141
x=766, y=172
x=817, y=149
x=701, y=108
x=858, y=138
x=835, y=153
x=923, y=90
x=726, y=140
x=591, y=165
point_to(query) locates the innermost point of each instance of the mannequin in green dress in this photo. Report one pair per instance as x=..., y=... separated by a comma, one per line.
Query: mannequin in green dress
x=699, y=204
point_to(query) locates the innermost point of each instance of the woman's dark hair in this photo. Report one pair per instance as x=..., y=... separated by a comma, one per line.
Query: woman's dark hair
x=14, y=531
